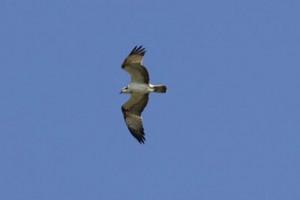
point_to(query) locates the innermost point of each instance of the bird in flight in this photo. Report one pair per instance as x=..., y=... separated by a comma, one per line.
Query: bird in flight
x=139, y=88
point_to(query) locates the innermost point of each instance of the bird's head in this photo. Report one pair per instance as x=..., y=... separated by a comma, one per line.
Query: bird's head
x=124, y=90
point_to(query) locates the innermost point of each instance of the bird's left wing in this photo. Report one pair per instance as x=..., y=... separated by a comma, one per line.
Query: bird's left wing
x=133, y=65
x=132, y=111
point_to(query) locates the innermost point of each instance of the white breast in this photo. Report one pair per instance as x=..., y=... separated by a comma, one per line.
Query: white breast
x=138, y=87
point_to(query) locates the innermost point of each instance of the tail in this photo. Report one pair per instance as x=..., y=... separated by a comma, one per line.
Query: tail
x=160, y=88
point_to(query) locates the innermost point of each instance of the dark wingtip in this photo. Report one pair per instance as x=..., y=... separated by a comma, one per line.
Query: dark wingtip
x=141, y=139
x=139, y=136
x=139, y=50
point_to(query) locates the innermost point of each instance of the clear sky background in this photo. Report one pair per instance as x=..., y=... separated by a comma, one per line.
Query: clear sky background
x=228, y=128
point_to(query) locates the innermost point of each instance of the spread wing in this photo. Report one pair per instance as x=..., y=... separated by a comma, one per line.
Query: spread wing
x=133, y=65
x=132, y=111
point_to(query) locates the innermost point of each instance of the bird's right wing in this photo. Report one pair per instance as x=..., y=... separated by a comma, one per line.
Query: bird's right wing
x=132, y=111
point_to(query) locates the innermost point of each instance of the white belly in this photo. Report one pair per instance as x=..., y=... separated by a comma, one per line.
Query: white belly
x=139, y=88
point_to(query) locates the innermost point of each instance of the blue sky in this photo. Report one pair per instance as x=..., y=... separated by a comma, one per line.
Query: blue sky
x=228, y=128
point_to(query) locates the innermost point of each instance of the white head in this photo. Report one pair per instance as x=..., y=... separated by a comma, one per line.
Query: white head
x=125, y=90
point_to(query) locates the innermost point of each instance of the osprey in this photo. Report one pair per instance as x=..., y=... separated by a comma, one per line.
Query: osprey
x=139, y=88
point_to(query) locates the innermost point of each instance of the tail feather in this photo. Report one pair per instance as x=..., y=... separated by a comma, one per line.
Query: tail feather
x=160, y=88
